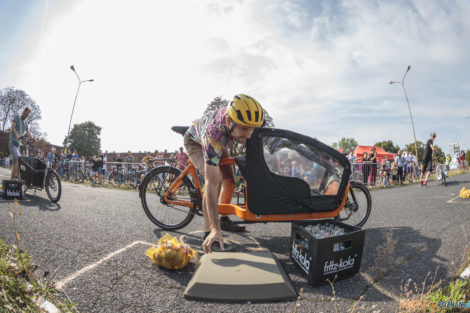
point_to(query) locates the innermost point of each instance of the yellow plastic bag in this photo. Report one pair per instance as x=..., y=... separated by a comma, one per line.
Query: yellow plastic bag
x=465, y=193
x=170, y=253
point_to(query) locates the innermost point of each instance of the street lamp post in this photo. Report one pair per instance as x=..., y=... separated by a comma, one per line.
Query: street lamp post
x=76, y=95
x=402, y=83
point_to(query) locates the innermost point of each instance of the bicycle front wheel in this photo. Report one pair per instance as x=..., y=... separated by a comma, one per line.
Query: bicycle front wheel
x=168, y=216
x=53, y=187
x=444, y=182
x=358, y=205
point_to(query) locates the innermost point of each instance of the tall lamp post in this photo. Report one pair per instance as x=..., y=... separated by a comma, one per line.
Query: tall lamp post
x=402, y=83
x=76, y=95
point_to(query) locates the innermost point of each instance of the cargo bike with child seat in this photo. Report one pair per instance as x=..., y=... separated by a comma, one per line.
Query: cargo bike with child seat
x=287, y=177
x=37, y=175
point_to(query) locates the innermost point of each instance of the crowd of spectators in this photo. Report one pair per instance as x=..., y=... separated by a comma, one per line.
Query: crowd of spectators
x=386, y=172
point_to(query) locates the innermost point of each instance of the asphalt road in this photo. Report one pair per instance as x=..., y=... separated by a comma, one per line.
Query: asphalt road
x=93, y=242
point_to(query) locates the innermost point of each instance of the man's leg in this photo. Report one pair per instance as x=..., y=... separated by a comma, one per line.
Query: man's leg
x=15, y=170
x=426, y=178
x=194, y=151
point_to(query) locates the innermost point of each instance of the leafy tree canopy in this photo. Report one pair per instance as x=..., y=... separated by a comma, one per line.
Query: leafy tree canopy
x=14, y=101
x=388, y=146
x=84, y=137
x=347, y=144
x=411, y=148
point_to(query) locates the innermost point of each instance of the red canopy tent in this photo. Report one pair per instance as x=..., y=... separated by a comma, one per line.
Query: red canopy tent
x=381, y=153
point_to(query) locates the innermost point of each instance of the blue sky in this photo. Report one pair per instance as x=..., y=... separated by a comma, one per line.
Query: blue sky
x=321, y=68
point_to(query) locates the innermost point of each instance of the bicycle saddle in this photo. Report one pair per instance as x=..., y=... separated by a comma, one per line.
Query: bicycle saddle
x=180, y=129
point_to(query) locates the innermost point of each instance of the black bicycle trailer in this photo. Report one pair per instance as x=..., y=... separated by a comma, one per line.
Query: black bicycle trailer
x=36, y=175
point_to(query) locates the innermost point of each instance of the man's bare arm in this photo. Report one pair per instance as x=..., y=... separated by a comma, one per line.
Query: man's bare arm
x=212, y=186
x=13, y=129
x=211, y=197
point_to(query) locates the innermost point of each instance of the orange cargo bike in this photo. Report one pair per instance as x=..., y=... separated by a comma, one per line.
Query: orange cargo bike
x=287, y=177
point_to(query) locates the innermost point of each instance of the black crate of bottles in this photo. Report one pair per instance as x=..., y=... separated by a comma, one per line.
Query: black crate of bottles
x=323, y=249
x=12, y=189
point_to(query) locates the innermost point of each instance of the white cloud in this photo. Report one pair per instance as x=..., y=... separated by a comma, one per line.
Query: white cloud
x=321, y=68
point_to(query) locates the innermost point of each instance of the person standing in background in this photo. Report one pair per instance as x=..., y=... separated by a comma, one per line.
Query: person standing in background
x=448, y=160
x=365, y=168
x=373, y=170
x=182, y=159
x=399, y=163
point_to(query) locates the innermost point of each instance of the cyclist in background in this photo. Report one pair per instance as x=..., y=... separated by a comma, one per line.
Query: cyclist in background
x=206, y=142
x=426, y=167
x=18, y=129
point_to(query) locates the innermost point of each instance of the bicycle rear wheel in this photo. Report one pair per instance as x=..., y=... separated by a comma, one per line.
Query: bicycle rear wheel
x=358, y=205
x=166, y=215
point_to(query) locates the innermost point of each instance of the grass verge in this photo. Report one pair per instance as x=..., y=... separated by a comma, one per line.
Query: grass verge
x=20, y=289
x=431, y=298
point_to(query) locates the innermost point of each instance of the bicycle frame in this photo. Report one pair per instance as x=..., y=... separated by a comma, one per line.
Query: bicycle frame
x=242, y=211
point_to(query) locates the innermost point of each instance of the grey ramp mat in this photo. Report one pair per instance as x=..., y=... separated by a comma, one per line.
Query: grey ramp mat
x=240, y=277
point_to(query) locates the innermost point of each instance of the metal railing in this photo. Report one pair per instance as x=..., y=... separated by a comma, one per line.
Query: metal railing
x=113, y=173
x=377, y=174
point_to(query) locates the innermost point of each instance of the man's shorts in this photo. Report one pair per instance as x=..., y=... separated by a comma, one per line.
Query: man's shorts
x=426, y=166
x=14, y=152
x=194, y=151
x=195, y=154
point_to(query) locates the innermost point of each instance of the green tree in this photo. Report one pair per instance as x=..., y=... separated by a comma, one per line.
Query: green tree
x=347, y=144
x=84, y=137
x=467, y=155
x=388, y=146
x=421, y=148
x=439, y=154
x=14, y=101
x=411, y=148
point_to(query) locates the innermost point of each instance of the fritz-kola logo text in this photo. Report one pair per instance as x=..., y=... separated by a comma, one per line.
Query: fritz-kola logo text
x=301, y=258
x=332, y=267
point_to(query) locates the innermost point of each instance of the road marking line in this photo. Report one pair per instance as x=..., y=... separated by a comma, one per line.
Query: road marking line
x=454, y=198
x=60, y=284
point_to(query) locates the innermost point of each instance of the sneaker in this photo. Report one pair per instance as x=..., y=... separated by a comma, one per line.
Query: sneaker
x=228, y=225
x=425, y=183
x=422, y=183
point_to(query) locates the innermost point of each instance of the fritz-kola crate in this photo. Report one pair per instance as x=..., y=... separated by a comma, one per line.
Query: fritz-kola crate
x=12, y=189
x=324, y=249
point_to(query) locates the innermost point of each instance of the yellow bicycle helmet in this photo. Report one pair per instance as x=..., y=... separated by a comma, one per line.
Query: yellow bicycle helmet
x=245, y=110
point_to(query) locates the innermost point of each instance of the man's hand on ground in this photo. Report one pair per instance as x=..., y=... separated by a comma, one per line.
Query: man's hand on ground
x=213, y=237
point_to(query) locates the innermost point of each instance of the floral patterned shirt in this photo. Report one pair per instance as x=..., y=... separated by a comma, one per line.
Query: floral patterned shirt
x=213, y=133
